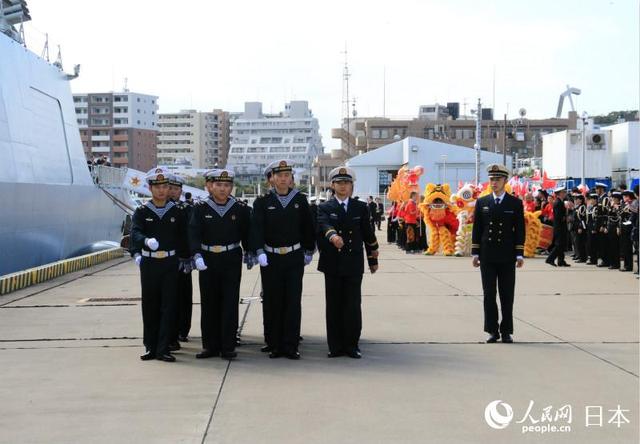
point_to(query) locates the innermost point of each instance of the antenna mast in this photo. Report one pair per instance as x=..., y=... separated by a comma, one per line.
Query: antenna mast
x=345, y=98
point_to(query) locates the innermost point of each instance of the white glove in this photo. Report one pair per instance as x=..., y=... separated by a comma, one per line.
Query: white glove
x=308, y=258
x=152, y=243
x=262, y=260
x=200, y=264
x=137, y=258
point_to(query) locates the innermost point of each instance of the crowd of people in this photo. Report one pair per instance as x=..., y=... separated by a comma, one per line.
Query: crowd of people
x=597, y=228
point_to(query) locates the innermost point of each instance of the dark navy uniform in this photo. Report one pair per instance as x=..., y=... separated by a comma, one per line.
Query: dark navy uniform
x=580, y=230
x=158, y=270
x=281, y=228
x=498, y=240
x=184, y=304
x=559, y=233
x=219, y=234
x=343, y=269
x=185, y=290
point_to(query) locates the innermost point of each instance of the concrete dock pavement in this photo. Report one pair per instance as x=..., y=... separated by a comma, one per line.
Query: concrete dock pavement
x=70, y=370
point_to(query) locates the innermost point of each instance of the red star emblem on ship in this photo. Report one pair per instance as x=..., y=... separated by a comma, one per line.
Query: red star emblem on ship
x=135, y=181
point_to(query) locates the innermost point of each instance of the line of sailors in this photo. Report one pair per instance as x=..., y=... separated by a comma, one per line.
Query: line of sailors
x=601, y=228
x=170, y=239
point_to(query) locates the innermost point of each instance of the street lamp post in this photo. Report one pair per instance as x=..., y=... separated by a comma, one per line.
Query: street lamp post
x=444, y=168
x=585, y=116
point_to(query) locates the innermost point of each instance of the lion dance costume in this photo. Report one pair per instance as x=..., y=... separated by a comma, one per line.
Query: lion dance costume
x=439, y=218
x=464, y=202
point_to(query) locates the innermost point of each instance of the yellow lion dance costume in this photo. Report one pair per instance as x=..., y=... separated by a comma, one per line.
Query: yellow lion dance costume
x=464, y=202
x=533, y=229
x=439, y=218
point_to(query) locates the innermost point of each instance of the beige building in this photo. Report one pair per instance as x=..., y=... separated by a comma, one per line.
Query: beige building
x=194, y=139
x=523, y=136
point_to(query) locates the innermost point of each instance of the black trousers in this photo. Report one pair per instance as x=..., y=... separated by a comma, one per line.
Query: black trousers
x=503, y=276
x=282, y=300
x=219, y=297
x=557, y=252
x=159, y=280
x=391, y=231
x=592, y=247
x=626, y=247
x=613, y=247
x=343, y=311
x=402, y=235
x=185, y=305
x=581, y=245
x=378, y=221
x=603, y=254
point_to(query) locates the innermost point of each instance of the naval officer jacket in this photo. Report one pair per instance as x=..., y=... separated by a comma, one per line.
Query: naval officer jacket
x=354, y=228
x=281, y=221
x=217, y=226
x=498, y=230
x=166, y=224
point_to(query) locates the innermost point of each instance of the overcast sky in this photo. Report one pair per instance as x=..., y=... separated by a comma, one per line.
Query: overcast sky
x=218, y=54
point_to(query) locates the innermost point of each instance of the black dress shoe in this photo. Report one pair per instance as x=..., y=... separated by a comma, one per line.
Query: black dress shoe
x=204, y=354
x=335, y=354
x=266, y=349
x=148, y=356
x=550, y=263
x=507, y=339
x=293, y=355
x=611, y=267
x=355, y=354
x=603, y=265
x=228, y=355
x=174, y=346
x=592, y=263
x=274, y=354
x=564, y=264
x=183, y=339
x=166, y=357
x=493, y=338
x=626, y=269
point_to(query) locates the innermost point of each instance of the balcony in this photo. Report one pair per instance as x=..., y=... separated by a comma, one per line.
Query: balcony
x=101, y=138
x=121, y=149
x=120, y=137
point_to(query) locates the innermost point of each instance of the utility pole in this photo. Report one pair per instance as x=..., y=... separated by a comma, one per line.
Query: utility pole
x=504, y=141
x=478, y=140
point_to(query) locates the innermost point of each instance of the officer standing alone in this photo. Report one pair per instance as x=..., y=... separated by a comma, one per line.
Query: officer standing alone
x=158, y=239
x=345, y=233
x=497, y=246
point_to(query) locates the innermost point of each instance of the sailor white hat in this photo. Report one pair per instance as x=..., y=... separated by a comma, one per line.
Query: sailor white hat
x=157, y=176
x=176, y=180
x=601, y=185
x=342, y=173
x=559, y=189
x=219, y=175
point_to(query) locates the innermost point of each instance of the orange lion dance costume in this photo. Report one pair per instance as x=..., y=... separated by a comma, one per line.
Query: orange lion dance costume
x=439, y=218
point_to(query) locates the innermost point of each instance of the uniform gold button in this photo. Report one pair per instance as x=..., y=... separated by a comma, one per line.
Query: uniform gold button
x=489, y=238
x=490, y=231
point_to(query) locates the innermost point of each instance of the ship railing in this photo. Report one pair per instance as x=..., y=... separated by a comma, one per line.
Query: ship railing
x=107, y=177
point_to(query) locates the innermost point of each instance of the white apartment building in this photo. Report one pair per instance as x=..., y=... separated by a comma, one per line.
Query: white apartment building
x=117, y=110
x=257, y=139
x=191, y=138
x=119, y=125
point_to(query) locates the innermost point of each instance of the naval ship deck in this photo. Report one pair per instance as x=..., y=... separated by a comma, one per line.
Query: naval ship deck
x=70, y=369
